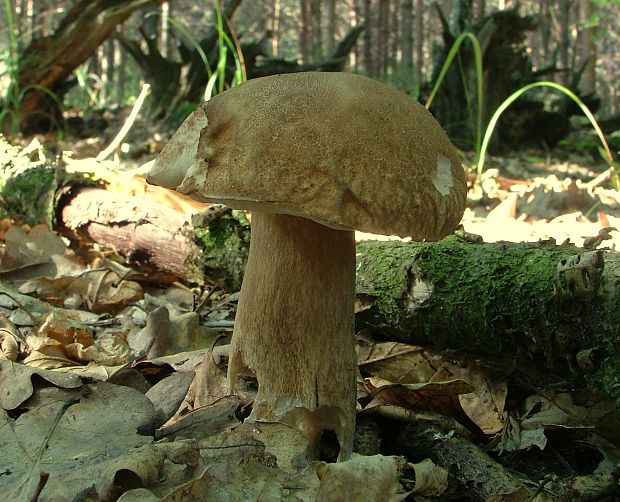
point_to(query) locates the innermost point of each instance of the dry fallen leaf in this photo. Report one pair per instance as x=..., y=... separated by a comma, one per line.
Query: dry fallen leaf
x=405, y=364
x=210, y=383
x=69, y=437
x=365, y=478
x=396, y=362
x=60, y=325
x=9, y=339
x=165, y=335
x=27, y=249
x=441, y=397
x=285, y=442
x=168, y=394
x=430, y=479
x=204, y=422
x=16, y=382
x=49, y=355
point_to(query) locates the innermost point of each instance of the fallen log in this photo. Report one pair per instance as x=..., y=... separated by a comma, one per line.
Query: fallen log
x=544, y=306
x=489, y=298
x=163, y=234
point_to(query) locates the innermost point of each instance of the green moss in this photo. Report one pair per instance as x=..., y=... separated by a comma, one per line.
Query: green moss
x=225, y=243
x=27, y=185
x=381, y=270
x=31, y=181
x=479, y=292
x=510, y=290
x=608, y=377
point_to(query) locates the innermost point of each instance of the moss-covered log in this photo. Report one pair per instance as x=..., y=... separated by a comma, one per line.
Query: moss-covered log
x=553, y=307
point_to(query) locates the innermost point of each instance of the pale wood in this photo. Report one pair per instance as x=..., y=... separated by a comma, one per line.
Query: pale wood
x=151, y=236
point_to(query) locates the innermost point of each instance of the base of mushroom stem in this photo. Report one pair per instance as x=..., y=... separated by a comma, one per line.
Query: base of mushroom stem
x=317, y=426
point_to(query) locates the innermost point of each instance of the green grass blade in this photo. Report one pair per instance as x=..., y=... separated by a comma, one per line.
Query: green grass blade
x=510, y=99
x=222, y=50
x=13, y=53
x=183, y=31
x=452, y=53
x=210, y=85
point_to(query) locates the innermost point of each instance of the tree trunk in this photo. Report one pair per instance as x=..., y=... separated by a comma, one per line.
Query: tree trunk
x=316, y=31
x=406, y=39
x=275, y=29
x=481, y=7
x=304, y=32
x=564, y=19
x=393, y=38
x=164, y=29
x=332, y=27
x=31, y=17
x=358, y=20
x=109, y=66
x=48, y=61
x=587, y=50
x=419, y=40
x=369, y=28
x=544, y=29
x=383, y=29
x=121, y=72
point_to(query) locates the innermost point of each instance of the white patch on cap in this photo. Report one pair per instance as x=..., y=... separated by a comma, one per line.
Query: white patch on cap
x=442, y=177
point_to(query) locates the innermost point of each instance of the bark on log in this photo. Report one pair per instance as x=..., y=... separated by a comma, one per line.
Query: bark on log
x=163, y=234
x=472, y=471
x=148, y=235
x=543, y=306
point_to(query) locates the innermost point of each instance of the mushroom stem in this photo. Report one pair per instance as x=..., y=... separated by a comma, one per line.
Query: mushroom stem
x=294, y=327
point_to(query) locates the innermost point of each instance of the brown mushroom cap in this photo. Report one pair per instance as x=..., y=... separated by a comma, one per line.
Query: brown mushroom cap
x=339, y=148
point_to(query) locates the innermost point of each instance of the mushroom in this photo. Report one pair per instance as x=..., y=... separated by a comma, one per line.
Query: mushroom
x=313, y=156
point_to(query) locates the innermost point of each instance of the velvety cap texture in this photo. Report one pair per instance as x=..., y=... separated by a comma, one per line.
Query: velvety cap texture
x=339, y=148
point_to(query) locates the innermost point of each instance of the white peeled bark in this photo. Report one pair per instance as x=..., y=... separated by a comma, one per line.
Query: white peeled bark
x=294, y=328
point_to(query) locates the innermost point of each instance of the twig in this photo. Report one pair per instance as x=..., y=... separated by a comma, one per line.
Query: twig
x=601, y=178
x=146, y=88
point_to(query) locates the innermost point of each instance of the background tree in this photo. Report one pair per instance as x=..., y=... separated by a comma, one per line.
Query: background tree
x=305, y=44
x=48, y=61
x=573, y=41
x=406, y=36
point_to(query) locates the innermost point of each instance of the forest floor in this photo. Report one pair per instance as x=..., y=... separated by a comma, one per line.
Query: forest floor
x=104, y=403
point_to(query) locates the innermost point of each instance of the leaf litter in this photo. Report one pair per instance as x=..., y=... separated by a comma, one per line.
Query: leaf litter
x=116, y=390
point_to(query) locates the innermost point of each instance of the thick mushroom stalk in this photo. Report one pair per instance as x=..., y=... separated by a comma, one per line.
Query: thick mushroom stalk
x=330, y=147
x=294, y=327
